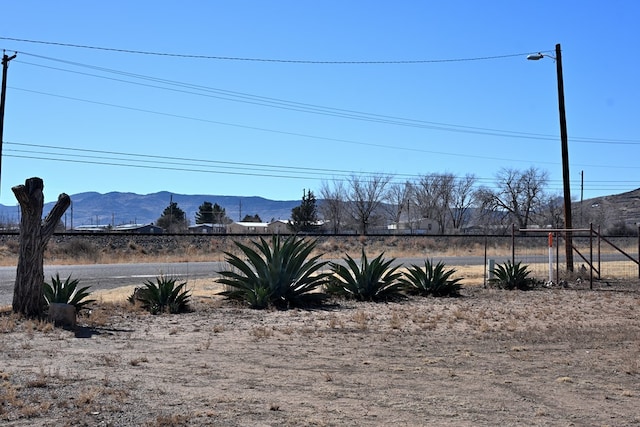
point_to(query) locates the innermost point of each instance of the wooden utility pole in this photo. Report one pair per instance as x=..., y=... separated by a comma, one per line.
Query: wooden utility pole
x=5, y=67
x=28, y=299
x=565, y=162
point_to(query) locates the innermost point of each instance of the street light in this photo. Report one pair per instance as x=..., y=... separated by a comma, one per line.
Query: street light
x=565, y=153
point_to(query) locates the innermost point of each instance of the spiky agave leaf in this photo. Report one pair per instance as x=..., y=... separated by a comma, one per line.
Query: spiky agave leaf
x=279, y=272
x=164, y=295
x=511, y=276
x=368, y=281
x=66, y=292
x=431, y=280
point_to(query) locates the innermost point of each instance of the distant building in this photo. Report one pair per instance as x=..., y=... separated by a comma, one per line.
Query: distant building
x=92, y=228
x=420, y=226
x=280, y=226
x=208, y=229
x=138, y=228
x=248, y=228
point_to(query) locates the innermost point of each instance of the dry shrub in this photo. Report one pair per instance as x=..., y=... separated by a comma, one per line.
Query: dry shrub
x=32, y=325
x=8, y=322
x=262, y=332
x=75, y=249
x=396, y=321
x=361, y=319
x=88, y=396
x=169, y=421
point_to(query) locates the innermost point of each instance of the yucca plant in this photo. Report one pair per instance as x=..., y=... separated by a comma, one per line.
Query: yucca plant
x=281, y=273
x=165, y=295
x=431, y=280
x=367, y=281
x=511, y=276
x=66, y=292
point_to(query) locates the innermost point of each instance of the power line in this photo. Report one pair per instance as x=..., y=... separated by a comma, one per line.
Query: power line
x=295, y=134
x=346, y=141
x=314, y=108
x=157, y=162
x=288, y=61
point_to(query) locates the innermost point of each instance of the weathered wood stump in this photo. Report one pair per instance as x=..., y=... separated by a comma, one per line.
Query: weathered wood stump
x=34, y=235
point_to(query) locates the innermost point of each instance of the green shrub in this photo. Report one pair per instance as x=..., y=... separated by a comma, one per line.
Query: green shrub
x=431, y=280
x=165, y=295
x=280, y=274
x=66, y=292
x=511, y=276
x=367, y=281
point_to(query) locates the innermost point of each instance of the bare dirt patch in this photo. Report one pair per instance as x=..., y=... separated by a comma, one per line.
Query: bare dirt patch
x=543, y=357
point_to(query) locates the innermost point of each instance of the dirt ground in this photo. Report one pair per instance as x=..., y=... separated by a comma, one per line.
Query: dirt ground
x=560, y=357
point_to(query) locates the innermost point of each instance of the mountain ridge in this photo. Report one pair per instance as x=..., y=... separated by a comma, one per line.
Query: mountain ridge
x=116, y=208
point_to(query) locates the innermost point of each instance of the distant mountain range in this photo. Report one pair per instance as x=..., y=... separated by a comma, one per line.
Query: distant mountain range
x=117, y=208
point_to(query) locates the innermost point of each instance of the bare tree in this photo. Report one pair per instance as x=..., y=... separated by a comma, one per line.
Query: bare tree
x=365, y=196
x=462, y=198
x=398, y=199
x=433, y=197
x=34, y=236
x=519, y=194
x=553, y=211
x=332, y=207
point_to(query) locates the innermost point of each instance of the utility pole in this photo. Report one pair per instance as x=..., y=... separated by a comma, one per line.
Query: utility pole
x=565, y=162
x=5, y=67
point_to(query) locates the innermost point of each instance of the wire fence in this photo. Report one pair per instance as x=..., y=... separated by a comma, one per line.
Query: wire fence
x=595, y=257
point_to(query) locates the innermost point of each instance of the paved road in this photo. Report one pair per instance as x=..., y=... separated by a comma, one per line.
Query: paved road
x=109, y=276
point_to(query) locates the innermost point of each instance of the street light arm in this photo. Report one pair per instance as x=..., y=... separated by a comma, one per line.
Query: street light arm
x=538, y=56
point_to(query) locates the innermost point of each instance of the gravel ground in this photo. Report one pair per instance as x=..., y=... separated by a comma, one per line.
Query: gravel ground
x=542, y=357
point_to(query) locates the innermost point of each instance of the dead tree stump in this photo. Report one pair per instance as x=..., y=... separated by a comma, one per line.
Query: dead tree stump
x=34, y=235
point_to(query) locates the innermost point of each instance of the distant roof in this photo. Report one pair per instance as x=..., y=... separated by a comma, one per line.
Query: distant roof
x=124, y=227
x=91, y=227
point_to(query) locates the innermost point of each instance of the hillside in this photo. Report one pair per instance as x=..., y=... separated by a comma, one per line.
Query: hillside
x=607, y=210
x=126, y=208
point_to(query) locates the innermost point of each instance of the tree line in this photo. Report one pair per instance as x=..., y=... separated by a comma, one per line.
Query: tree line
x=442, y=202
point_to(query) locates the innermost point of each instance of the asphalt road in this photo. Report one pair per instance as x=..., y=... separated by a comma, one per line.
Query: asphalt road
x=109, y=276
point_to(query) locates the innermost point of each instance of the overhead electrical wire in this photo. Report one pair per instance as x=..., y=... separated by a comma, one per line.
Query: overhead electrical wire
x=275, y=60
x=409, y=149
x=184, y=161
x=157, y=162
x=255, y=169
x=554, y=185
x=312, y=108
x=345, y=141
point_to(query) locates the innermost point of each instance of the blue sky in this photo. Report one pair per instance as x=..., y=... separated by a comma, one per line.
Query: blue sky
x=322, y=90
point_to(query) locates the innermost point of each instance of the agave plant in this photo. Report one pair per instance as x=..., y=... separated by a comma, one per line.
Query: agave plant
x=66, y=292
x=165, y=295
x=431, y=280
x=280, y=273
x=368, y=281
x=511, y=276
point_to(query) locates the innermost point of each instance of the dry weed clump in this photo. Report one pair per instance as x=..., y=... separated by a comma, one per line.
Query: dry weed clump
x=8, y=321
x=79, y=249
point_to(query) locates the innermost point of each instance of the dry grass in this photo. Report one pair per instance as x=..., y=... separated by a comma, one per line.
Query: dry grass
x=222, y=365
x=571, y=354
